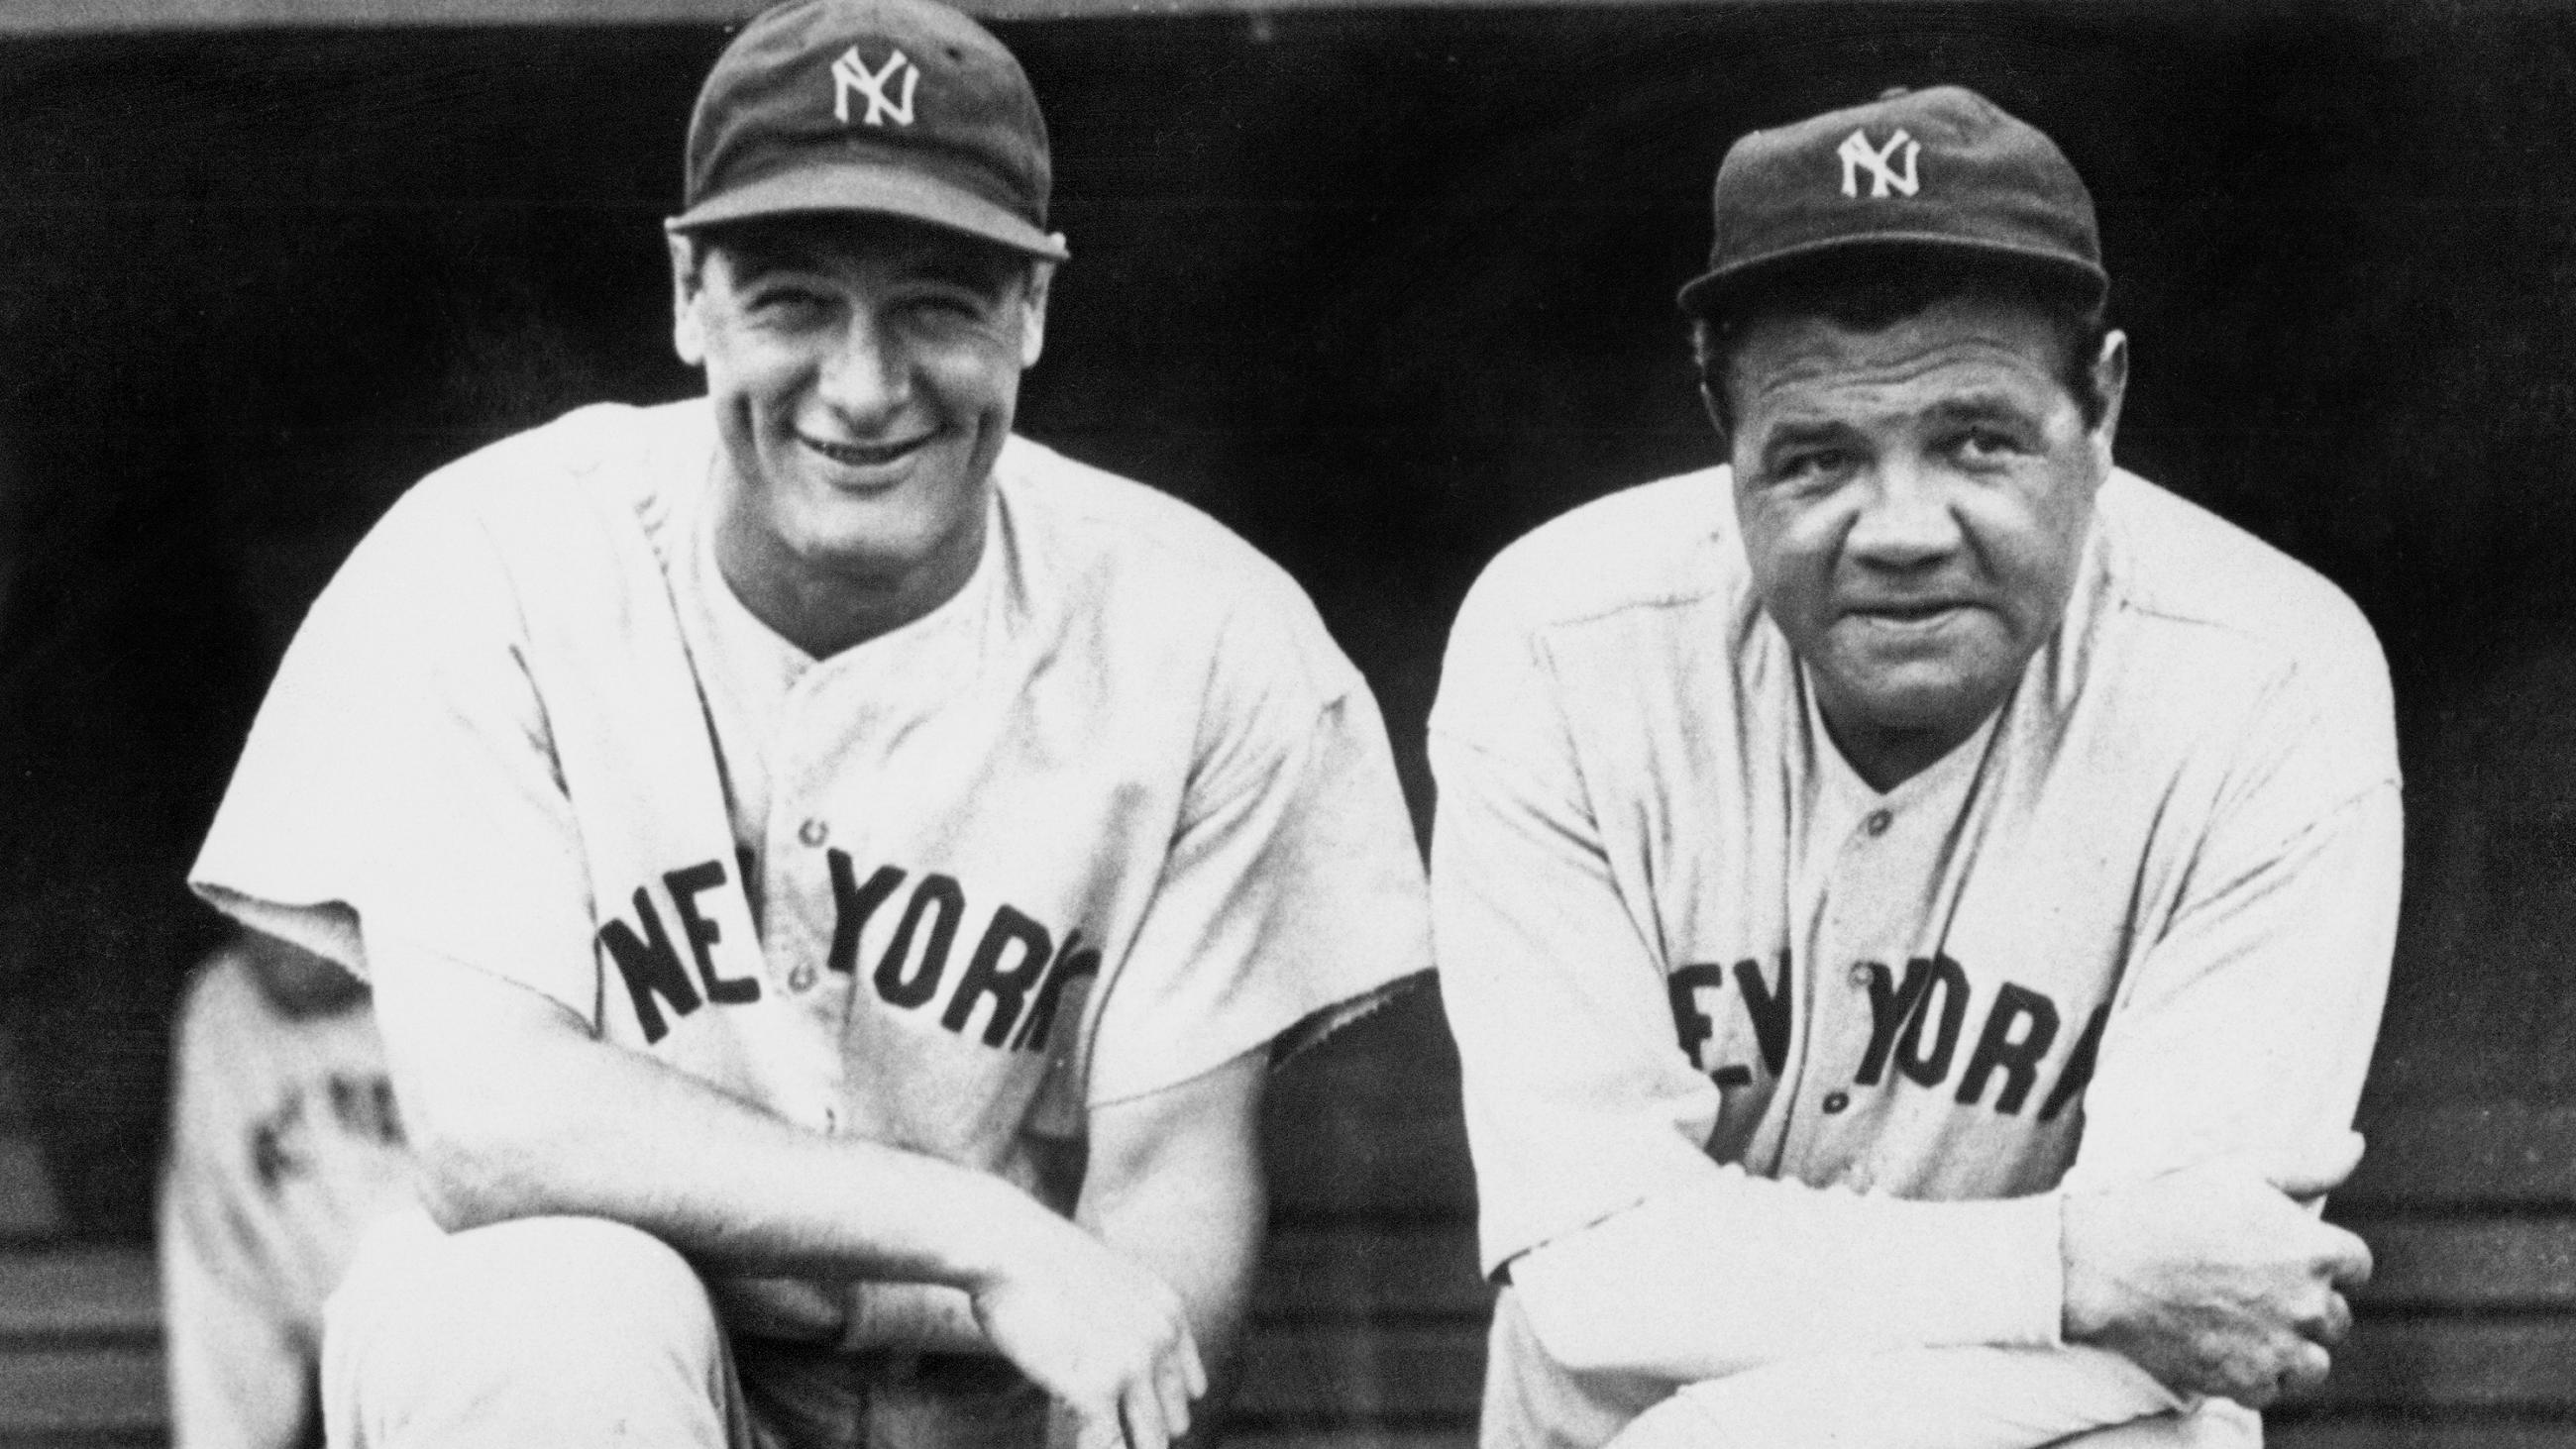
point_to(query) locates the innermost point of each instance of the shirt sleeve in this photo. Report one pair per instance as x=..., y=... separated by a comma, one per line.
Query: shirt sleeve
x=2250, y=1027
x=1588, y=1125
x=1292, y=898
x=401, y=772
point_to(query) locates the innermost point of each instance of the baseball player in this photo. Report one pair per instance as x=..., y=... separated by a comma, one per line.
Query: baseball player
x=284, y=1146
x=1913, y=902
x=833, y=873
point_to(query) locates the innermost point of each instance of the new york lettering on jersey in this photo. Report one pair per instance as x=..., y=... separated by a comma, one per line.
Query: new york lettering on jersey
x=1016, y=965
x=1917, y=1017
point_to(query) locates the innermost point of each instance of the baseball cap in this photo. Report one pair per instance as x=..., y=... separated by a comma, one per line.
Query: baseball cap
x=1941, y=171
x=895, y=107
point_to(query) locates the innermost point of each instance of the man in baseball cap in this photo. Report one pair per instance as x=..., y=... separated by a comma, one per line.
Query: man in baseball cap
x=833, y=873
x=1914, y=900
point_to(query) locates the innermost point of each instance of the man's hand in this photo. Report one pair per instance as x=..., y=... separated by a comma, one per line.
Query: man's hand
x=2215, y=1278
x=1106, y=1338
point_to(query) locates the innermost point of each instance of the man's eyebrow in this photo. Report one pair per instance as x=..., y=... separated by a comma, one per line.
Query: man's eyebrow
x=974, y=272
x=753, y=260
x=945, y=265
x=1798, y=432
x=1982, y=406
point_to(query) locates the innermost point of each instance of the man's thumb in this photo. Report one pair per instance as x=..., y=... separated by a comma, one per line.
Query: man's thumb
x=2316, y=1167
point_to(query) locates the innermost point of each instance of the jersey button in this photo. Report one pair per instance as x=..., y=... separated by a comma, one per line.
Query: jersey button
x=1860, y=973
x=1878, y=822
x=1836, y=1101
x=814, y=831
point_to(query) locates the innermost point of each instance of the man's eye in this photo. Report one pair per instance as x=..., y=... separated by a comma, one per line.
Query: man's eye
x=1810, y=464
x=949, y=307
x=788, y=301
x=1985, y=445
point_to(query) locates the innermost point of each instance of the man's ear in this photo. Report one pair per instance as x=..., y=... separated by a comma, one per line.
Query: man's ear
x=688, y=336
x=1033, y=305
x=2110, y=384
x=1716, y=414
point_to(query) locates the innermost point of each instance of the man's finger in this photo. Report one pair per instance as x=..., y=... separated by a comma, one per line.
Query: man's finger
x=1141, y=1408
x=1174, y=1395
x=2335, y=1322
x=2308, y=1368
x=1097, y=1426
x=2345, y=1258
x=2254, y=1393
x=1192, y=1368
x=2315, y=1169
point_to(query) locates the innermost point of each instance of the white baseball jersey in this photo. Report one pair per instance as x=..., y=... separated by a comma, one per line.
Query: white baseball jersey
x=1116, y=813
x=1728, y=1016
x=284, y=1146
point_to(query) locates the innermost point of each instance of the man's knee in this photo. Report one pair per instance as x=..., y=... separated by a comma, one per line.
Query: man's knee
x=543, y=1284
x=512, y=1326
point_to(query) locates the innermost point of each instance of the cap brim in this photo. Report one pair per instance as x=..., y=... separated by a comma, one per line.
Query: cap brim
x=1706, y=295
x=874, y=190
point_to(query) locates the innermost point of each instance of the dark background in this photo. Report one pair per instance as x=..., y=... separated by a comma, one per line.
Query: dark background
x=1382, y=289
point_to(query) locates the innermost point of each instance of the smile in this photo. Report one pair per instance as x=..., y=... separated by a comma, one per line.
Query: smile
x=866, y=455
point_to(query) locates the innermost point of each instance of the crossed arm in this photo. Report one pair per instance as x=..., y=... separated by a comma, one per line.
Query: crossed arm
x=2172, y=1263
x=518, y=1111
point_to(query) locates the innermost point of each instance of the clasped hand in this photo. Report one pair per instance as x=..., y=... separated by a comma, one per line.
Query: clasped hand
x=2218, y=1279
x=1107, y=1339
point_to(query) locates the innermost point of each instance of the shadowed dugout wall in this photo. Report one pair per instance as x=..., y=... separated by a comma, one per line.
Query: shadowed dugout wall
x=1382, y=289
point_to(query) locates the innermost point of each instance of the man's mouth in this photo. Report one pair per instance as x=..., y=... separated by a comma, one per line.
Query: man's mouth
x=1909, y=613
x=865, y=455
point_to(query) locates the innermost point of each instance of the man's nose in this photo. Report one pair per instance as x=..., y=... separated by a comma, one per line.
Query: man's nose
x=1905, y=518
x=864, y=376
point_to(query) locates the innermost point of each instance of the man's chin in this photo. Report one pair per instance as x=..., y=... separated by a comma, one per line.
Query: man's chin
x=1927, y=703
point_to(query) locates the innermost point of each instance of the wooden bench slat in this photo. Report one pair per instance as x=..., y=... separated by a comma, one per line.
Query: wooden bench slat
x=1314, y=1275
x=27, y=1205
x=2414, y=1432
x=113, y=1389
x=2492, y=1263
x=2473, y=1152
x=2522, y=1364
x=1410, y=1376
x=78, y=1293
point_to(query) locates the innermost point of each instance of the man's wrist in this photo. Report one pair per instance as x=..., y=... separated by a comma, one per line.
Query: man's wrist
x=919, y=1317
x=1001, y=1233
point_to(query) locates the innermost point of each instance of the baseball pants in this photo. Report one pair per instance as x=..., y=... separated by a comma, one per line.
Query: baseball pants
x=578, y=1332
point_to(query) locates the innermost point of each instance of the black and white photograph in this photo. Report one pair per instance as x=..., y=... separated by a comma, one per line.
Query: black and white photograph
x=1297, y=724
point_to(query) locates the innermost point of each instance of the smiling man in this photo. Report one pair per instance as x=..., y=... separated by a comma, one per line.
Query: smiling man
x=833, y=873
x=1914, y=902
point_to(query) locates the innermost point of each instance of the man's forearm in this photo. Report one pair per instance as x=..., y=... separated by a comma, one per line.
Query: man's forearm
x=518, y=1114
x=1175, y=1183
x=1745, y=1271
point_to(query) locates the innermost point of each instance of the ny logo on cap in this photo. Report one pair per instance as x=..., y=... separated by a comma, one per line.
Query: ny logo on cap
x=1858, y=155
x=850, y=73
